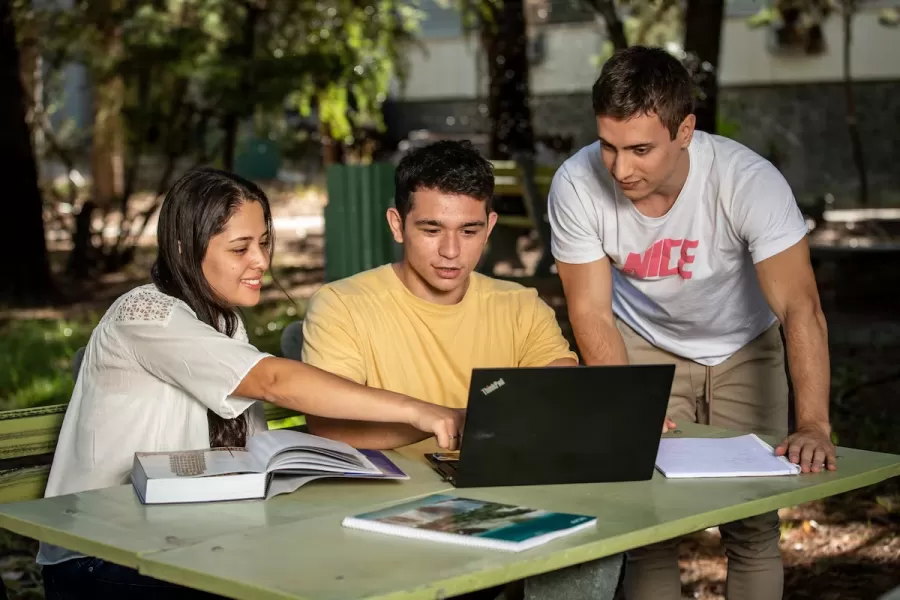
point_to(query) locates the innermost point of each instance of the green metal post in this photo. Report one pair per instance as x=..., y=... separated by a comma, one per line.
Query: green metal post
x=357, y=236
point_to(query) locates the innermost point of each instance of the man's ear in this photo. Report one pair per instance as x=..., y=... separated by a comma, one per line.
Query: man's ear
x=686, y=130
x=395, y=222
x=492, y=220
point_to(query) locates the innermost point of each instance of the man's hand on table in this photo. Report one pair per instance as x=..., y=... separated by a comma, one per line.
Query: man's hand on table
x=668, y=425
x=811, y=448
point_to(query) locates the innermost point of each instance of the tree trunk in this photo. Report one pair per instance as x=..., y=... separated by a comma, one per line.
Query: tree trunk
x=107, y=139
x=702, y=42
x=614, y=28
x=505, y=42
x=504, y=37
x=243, y=51
x=28, y=280
x=856, y=148
x=107, y=146
x=84, y=255
x=332, y=149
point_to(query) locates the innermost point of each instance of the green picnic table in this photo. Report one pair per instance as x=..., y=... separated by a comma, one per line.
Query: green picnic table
x=293, y=546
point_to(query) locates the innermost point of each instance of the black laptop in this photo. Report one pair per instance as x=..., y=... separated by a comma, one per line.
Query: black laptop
x=553, y=425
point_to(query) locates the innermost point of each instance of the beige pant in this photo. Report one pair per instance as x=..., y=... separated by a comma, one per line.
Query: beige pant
x=748, y=392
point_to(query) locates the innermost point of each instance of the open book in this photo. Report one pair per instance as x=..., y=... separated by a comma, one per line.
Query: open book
x=455, y=520
x=274, y=462
x=742, y=456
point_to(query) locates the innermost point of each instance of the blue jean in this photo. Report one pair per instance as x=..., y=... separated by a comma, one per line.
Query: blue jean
x=95, y=578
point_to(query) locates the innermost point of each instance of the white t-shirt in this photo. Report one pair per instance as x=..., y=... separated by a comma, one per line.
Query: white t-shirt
x=685, y=281
x=150, y=372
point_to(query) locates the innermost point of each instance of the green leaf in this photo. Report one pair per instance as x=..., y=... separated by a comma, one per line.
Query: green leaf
x=766, y=16
x=889, y=17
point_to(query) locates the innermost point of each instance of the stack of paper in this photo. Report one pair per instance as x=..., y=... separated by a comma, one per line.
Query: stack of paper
x=743, y=456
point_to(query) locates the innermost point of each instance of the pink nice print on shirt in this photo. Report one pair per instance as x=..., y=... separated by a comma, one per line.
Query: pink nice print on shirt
x=664, y=258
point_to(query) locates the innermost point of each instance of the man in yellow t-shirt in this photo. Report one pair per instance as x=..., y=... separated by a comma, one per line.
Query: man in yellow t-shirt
x=421, y=325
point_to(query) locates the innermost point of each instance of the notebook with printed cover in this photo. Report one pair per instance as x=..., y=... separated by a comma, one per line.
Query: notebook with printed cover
x=469, y=522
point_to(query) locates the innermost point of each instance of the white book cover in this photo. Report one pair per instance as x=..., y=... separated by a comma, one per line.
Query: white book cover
x=742, y=456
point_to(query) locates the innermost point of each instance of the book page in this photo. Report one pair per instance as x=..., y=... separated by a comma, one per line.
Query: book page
x=197, y=463
x=286, y=485
x=741, y=456
x=267, y=445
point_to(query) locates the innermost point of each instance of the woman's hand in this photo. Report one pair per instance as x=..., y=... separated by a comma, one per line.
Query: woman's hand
x=445, y=423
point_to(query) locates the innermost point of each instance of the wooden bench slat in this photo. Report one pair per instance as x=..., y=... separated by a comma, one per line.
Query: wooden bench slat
x=30, y=431
x=23, y=484
x=515, y=221
x=34, y=431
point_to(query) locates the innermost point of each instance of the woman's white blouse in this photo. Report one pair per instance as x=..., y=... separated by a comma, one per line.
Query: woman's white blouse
x=150, y=372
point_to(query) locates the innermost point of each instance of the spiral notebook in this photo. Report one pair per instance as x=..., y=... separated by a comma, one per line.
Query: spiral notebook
x=741, y=456
x=455, y=520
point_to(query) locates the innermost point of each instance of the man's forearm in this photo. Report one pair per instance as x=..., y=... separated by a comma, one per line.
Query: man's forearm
x=806, y=336
x=366, y=435
x=598, y=339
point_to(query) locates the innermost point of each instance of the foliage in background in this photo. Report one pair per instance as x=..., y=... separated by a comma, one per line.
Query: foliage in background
x=173, y=80
x=332, y=55
x=645, y=22
x=690, y=30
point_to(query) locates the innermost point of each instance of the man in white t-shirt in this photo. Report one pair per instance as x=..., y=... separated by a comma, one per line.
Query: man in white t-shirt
x=676, y=246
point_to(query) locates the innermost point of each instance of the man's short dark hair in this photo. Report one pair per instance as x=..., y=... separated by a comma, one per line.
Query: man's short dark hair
x=641, y=81
x=446, y=166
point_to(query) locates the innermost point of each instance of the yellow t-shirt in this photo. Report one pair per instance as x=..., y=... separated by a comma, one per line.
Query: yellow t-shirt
x=371, y=329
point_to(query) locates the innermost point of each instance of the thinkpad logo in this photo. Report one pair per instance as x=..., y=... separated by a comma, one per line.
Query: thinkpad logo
x=493, y=386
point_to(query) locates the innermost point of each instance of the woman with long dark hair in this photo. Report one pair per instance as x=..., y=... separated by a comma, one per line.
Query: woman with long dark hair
x=169, y=367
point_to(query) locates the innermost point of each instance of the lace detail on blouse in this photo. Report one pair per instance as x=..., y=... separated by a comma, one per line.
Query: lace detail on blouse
x=145, y=304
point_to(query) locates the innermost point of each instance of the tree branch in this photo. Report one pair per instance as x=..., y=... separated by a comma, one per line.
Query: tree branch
x=614, y=28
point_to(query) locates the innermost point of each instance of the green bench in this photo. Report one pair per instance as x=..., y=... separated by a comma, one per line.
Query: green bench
x=510, y=196
x=520, y=200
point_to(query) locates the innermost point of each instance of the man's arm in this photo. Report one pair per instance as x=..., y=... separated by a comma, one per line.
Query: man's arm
x=789, y=285
x=563, y=362
x=364, y=434
x=588, y=291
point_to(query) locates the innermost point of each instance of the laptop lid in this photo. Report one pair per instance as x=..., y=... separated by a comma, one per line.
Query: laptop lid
x=552, y=425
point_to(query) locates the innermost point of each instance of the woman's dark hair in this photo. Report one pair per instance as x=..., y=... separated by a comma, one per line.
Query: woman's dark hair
x=197, y=208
